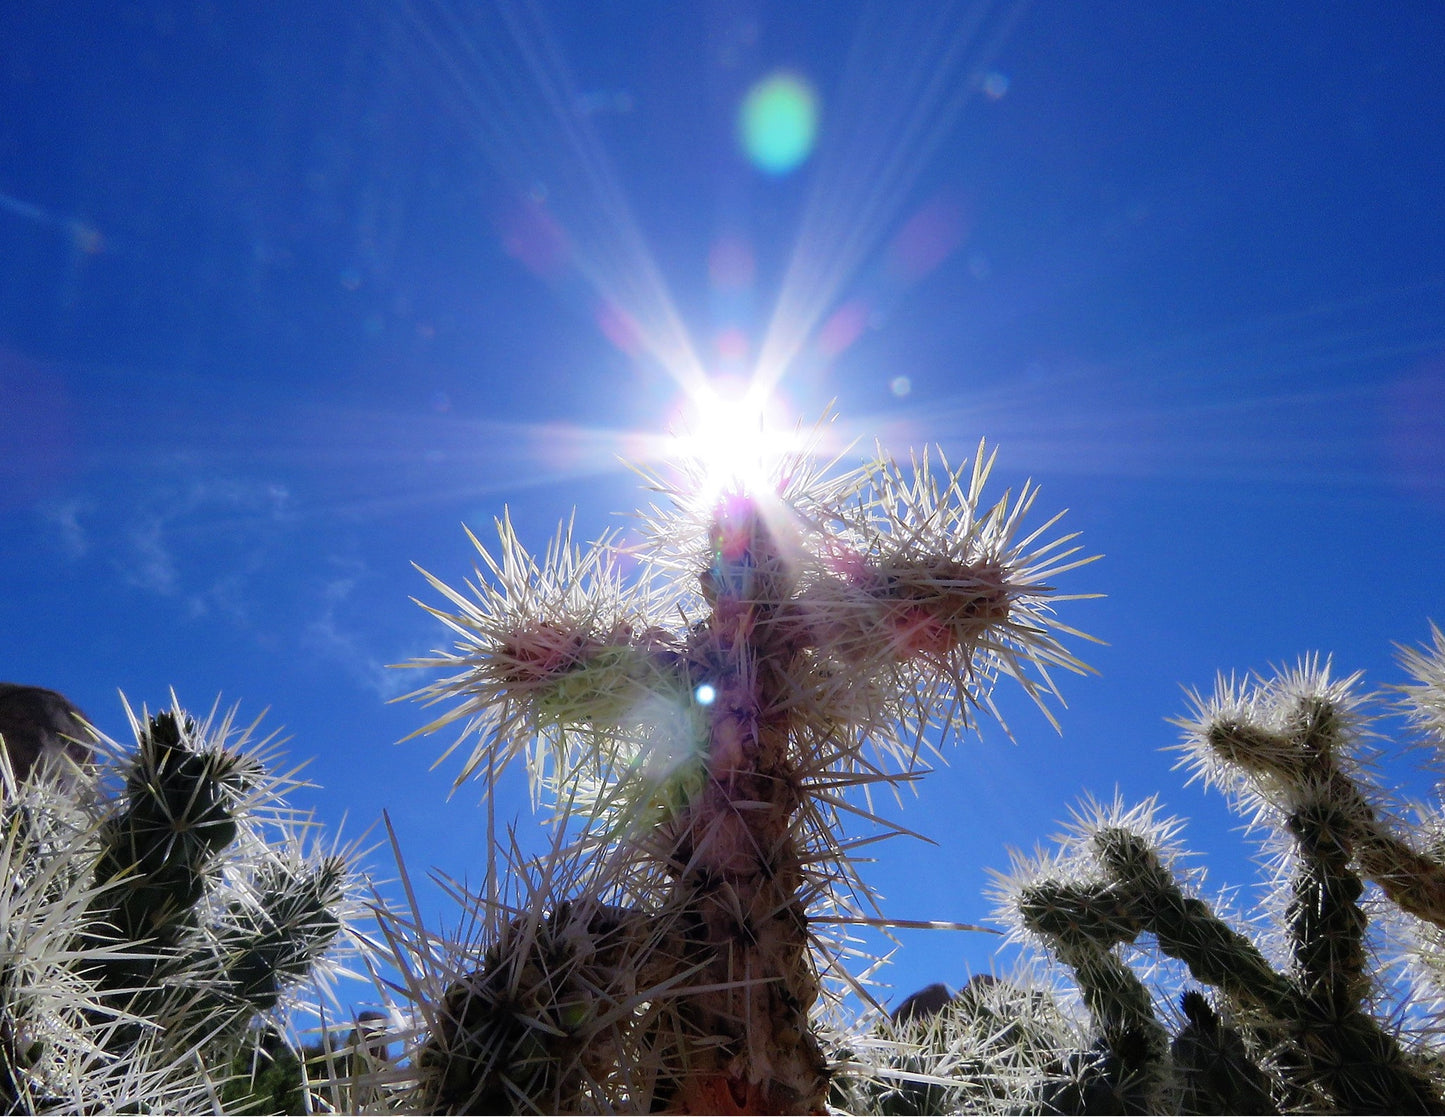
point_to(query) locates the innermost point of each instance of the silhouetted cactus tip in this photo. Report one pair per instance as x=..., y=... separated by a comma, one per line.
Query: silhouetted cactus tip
x=1273, y=739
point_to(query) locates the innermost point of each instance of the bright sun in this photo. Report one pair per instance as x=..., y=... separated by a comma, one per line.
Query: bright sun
x=735, y=436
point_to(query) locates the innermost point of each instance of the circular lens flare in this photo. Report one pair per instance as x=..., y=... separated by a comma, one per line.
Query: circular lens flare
x=777, y=124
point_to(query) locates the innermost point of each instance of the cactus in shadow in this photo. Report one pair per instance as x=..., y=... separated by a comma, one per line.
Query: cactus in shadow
x=177, y=813
x=346, y=1070
x=672, y=947
x=997, y=1046
x=1305, y=1031
x=156, y=905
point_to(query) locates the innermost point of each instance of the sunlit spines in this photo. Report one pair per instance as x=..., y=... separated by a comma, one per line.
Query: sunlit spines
x=894, y=567
x=1293, y=744
x=922, y=569
x=543, y=646
x=1187, y=928
x=791, y=491
x=1423, y=698
x=1313, y=1028
x=558, y=995
x=999, y=1045
x=524, y=1030
x=122, y=884
x=181, y=805
x=1117, y=877
x=55, y=1021
x=275, y=933
x=1279, y=738
x=707, y=762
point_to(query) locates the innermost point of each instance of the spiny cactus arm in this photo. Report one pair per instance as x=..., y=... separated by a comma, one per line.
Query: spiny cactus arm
x=1350, y=1055
x=1286, y=738
x=1326, y=923
x=1327, y=929
x=1318, y=723
x=1363, y=1067
x=110, y=884
x=180, y=810
x=1187, y=929
x=1084, y=922
x=298, y=918
x=70, y=1047
x=269, y=939
x=921, y=570
x=1071, y=914
x=1412, y=880
x=546, y=646
x=1423, y=698
x=565, y=1008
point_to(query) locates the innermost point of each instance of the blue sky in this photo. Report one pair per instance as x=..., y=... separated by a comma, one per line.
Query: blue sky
x=289, y=295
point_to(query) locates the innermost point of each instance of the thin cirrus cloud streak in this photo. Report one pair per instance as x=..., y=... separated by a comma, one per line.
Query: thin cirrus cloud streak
x=376, y=463
x=331, y=636
x=1311, y=397
x=199, y=542
x=293, y=462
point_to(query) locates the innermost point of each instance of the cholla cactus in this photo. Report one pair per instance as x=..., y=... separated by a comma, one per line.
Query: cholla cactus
x=997, y=1046
x=154, y=906
x=1312, y=1030
x=669, y=952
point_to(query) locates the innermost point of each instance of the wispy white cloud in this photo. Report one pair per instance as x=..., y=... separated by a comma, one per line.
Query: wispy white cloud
x=232, y=550
x=70, y=534
x=155, y=547
x=330, y=636
x=146, y=560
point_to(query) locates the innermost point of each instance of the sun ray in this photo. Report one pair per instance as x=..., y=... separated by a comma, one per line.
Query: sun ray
x=908, y=76
x=509, y=86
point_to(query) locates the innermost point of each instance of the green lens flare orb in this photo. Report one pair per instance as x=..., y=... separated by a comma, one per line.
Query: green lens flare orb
x=778, y=123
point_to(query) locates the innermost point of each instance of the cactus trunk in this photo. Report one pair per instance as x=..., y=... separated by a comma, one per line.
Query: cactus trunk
x=737, y=863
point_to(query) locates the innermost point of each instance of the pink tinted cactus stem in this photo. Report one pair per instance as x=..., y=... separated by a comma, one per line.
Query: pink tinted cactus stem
x=737, y=862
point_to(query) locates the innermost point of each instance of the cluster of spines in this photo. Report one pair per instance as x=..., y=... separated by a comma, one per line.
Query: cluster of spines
x=157, y=905
x=910, y=594
x=541, y=1004
x=996, y=1046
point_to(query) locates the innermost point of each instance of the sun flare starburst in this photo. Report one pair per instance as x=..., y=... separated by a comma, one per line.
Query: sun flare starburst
x=733, y=438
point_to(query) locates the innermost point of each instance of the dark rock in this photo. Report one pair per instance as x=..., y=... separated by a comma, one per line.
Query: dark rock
x=36, y=723
x=928, y=1001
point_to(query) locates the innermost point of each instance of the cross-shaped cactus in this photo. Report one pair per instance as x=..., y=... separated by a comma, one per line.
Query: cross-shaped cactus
x=700, y=728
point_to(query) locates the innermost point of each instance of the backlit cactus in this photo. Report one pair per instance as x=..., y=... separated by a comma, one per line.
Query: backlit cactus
x=670, y=951
x=1309, y=1030
x=997, y=1046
